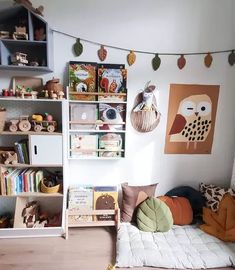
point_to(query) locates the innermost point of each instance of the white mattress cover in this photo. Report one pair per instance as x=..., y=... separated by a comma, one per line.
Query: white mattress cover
x=181, y=247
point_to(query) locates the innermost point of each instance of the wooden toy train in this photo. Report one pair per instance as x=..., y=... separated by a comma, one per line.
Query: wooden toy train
x=35, y=122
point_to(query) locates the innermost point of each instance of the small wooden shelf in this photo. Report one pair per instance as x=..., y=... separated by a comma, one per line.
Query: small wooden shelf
x=96, y=123
x=97, y=94
x=95, y=223
x=19, y=165
x=33, y=194
x=96, y=131
x=97, y=102
x=94, y=158
x=92, y=150
x=17, y=133
x=30, y=99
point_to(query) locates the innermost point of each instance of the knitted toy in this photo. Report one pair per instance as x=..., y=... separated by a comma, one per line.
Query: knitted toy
x=147, y=103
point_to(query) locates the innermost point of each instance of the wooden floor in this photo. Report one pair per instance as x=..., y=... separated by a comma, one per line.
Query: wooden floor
x=85, y=249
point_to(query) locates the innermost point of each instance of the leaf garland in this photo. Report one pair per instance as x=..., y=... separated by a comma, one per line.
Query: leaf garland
x=102, y=53
x=131, y=57
x=181, y=62
x=78, y=47
x=156, y=62
x=208, y=60
x=231, y=58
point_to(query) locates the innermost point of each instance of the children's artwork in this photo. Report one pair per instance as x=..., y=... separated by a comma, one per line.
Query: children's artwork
x=191, y=118
x=112, y=116
x=112, y=82
x=82, y=80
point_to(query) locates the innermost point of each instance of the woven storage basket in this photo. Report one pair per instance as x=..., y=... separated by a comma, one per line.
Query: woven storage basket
x=144, y=121
x=46, y=189
x=2, y=120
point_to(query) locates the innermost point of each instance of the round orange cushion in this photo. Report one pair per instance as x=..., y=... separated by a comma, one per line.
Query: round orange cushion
x=180, y=208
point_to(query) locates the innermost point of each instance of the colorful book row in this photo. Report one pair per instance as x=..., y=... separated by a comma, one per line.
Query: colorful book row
x=15, y=181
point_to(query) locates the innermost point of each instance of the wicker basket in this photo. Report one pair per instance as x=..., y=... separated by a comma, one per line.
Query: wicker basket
x=2, y=120
x=144, y=121
x=46, y=189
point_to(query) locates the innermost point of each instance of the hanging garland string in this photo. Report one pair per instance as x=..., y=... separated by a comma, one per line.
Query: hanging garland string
x=156, y=61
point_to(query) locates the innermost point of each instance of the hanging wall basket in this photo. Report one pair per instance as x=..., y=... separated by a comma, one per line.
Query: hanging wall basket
x=144, y=121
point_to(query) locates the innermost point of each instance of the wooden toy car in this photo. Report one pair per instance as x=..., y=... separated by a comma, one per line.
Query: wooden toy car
x=22, y=124
x=19, y=59
x=38, y=126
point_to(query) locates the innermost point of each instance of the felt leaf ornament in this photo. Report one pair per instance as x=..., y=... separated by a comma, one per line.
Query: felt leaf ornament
x=208, y=60
x=78, y=48
x=156, y=62
x=102, y=53
x=181, y=62
x=131, y=57
x=231, y=58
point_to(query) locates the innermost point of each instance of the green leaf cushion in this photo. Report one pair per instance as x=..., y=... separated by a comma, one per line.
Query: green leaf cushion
x=153, y=215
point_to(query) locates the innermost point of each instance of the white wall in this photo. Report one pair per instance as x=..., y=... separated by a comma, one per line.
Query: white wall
x=160, y=26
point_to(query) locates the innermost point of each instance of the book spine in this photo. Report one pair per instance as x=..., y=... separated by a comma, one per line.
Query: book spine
x=19, y=152
x=25, y=152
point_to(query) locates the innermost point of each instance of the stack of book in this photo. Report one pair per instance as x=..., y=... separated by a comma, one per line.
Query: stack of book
x=15, y=181
x=21, y=149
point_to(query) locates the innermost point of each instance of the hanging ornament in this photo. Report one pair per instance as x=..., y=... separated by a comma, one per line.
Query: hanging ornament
x=181, y=62
x=156, y=62
x=131, y=57
x=77, y=47
x=231, y=58
x=102, y=53
x=208, y=60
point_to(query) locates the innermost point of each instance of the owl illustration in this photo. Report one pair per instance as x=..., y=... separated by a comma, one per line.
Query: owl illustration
x=192, y=122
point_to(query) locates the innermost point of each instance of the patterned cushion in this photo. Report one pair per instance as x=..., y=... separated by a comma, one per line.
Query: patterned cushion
x=214, y=194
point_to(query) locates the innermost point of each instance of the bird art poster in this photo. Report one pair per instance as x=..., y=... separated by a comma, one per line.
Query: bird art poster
x=191, y=118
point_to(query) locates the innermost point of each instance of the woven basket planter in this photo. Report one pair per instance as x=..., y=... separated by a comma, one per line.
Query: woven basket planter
x=144, y=121
x=46, y=189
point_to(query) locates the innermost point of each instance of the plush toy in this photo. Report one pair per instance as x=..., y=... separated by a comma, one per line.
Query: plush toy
x=147, y=103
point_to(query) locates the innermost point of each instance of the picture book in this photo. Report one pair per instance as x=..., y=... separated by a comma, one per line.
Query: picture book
x=83, y=145
x=112, y=82
x=82, y=80
x=80, y=198
x=83, y=114
x=111, y=145
x=105, y=198
x=113, y=115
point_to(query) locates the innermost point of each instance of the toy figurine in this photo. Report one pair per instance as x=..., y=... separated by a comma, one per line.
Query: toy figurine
x=20, y=33
x=19, y=59
x=9, y=158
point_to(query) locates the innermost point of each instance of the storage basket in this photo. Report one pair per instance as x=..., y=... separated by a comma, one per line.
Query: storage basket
x=46, y=189
x=144, y=121
x=2, y=120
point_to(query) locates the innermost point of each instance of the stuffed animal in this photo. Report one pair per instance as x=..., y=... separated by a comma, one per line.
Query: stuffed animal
x=147, y=103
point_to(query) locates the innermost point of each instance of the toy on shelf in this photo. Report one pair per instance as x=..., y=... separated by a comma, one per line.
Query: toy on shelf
x=20, y=33
x=19, y=59
x=40, y=34
x=22, y=124
x=54, y=89
x=30, y=214
x=2, y=118
x=4, y=35
x=9, y=157
x=23, y=92
x=39, y=123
